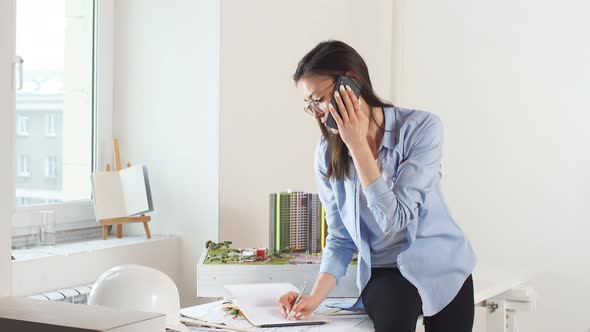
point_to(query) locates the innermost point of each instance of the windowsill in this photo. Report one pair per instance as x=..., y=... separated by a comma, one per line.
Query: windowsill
x=44, y=269
x=86, y=246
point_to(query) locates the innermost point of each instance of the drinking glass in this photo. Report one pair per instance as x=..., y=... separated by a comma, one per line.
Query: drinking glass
x=47, y=228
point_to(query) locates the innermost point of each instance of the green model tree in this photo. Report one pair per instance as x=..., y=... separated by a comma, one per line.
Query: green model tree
x=214, y=246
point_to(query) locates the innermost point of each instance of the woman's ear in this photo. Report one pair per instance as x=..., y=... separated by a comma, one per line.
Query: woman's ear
x=351, y=75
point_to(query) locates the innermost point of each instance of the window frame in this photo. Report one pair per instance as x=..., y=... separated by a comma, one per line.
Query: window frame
x=22, y=126
x=50, y=167
x=23, y=167
x=78, y=214
x=50, y=125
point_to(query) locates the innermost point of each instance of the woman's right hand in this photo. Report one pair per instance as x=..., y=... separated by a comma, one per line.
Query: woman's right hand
x=306, y=306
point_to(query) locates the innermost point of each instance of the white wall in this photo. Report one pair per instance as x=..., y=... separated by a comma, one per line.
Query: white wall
x=166, y=110
x=6, y=139
x=510, y=80
x=266, y=140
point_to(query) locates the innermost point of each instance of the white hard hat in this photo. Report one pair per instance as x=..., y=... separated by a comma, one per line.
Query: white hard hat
x=140, y=288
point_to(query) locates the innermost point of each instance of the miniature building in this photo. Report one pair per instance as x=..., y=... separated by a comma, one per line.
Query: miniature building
x=261, y=253
x=296, y=222
x=283, y=231
x=314, y=234
x=298, y=218
x=248, y=255
x=271, y=222
x=252, y=254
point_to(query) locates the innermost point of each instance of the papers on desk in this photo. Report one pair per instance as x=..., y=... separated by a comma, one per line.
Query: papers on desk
x=213, y=312
x=258, y=303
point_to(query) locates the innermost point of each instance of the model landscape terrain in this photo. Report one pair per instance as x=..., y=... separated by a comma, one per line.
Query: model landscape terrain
x=222, y=253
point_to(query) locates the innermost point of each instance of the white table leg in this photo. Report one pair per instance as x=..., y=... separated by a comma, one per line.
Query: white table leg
x=496, y=315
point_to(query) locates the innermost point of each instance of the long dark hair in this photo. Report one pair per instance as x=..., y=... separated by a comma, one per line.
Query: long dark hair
x=334, y=58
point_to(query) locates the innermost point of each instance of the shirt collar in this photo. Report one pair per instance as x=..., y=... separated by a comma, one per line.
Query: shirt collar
x=389, y=134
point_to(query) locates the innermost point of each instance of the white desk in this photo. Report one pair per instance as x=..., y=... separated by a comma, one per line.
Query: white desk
x=501, y=291
x=212, y=313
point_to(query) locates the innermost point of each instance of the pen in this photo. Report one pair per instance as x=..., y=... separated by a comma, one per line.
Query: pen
x=195, y=322
x=292, y=313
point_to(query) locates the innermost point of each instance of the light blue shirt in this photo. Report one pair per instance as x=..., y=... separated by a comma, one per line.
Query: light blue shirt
x=384, y=246
x=407, y=204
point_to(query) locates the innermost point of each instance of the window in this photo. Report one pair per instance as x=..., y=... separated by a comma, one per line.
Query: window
x=22, y=127
x=50, y=125
x=55, y=40
x=50, y=171
x=61, y=114
x=23, y=200
x=23, y=166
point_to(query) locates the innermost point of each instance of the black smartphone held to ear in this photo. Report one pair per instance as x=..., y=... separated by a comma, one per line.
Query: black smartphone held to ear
x=356, y=88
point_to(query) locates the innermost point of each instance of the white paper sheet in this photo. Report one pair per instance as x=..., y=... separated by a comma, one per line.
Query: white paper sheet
x=212, y=312
x=259, y=304
x=261, y=295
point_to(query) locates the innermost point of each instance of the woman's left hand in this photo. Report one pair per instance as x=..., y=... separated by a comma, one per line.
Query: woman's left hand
x=353, y=124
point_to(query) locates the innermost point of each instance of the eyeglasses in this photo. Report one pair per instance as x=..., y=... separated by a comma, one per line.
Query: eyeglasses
x=314, y=105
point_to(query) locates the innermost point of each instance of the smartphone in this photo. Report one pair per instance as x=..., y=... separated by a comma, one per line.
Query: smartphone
x=356, y=88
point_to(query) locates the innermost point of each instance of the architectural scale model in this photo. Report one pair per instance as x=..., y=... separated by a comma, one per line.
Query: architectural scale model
x=297, y=222
x=222, y=253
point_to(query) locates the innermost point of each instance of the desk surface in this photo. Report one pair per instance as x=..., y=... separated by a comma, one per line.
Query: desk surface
x=211, y=312
x=488, y=282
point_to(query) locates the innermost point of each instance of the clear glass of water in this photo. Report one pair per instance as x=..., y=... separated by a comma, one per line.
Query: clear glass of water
x=47, y=228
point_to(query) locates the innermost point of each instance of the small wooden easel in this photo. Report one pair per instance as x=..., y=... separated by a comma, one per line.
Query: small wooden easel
x=123, y=220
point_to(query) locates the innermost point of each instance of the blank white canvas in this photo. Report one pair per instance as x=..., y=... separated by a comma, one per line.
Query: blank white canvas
x=108, y=197
x=134, y=189
x=122, y=193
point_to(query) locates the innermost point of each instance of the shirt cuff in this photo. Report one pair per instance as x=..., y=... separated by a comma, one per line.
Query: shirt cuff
x=376, y=190
x=334, y=266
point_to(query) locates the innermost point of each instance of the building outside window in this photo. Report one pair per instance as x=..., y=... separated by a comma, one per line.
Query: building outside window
x=22, y=126
x=61, y=116
x=23, y=166
x=55, y=106
x=51, y=167
x=50, y=125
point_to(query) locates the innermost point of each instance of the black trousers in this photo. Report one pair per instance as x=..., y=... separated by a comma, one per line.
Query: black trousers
x=394, y=304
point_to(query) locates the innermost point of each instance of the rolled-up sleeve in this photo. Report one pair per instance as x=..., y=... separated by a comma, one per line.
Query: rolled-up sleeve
x=340, y=247
x=395, y=207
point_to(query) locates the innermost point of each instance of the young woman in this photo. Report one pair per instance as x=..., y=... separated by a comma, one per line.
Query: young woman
x=378, y=177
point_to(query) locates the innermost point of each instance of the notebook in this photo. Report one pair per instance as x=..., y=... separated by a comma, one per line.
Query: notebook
x=259, y=304
x=122, y=193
